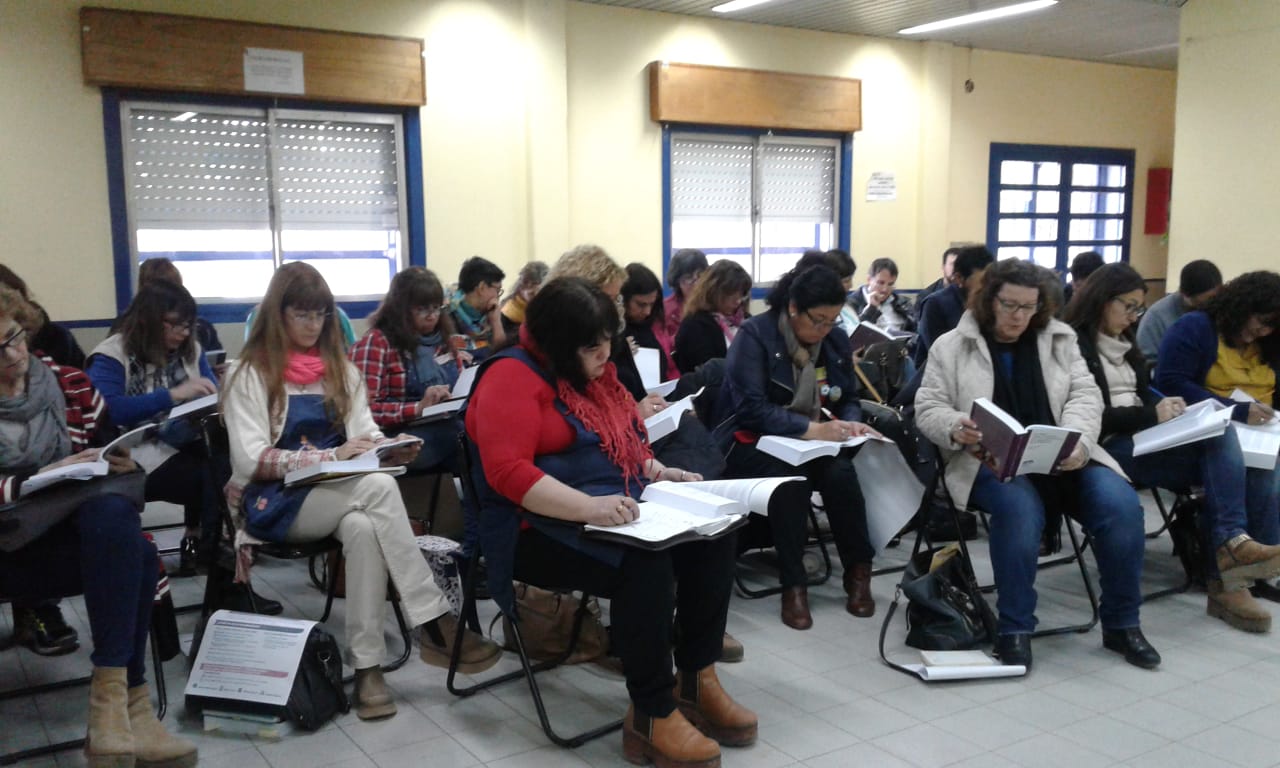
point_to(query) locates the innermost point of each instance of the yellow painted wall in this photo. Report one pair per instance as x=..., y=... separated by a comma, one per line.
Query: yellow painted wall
x=536, y=133
x=1227, y=159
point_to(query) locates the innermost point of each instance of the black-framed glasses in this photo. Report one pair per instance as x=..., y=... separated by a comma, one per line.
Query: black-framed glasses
x=177, y=325
x=819, y=323
x=1013, y=307
x=1136, y=310
x=20, y=337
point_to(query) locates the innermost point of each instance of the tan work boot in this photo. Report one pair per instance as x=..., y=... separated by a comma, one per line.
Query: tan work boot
x=109, y=742
x=478, y=652
x=705, y=703
x=372, y=699
x=1241, y=559
x=154, y=746
x=667, y=742
x=1237, y=607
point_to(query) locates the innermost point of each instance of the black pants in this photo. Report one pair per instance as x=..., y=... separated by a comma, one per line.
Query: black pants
x=831, y=476
x=186, y=479
x=692, y=579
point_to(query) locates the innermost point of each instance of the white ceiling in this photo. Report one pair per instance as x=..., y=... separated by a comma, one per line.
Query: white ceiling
x=1141, y=33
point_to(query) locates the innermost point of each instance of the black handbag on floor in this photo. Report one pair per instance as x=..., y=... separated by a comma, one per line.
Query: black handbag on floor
x=317, y=694
x=946, y=611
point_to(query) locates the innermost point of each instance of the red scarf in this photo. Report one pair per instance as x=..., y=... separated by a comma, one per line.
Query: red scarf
x=607, y=409
x=303, y=368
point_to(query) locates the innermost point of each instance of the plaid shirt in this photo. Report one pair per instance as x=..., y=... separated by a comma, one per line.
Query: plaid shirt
x=85, y=409
x=385, y=372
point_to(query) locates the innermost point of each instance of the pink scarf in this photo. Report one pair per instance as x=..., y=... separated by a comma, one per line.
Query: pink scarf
x=303, y=368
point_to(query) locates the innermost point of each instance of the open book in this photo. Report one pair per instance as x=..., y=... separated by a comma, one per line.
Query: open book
x=666, y=421
x=648, y=363
x=197, y=407
x=1018, y=450
x=457, y=399
x=673, y=513
x=86, y=470
x=796, y=451
x=369, y=461
x=1206, y=419
x=865, y=334
x=1259, y=442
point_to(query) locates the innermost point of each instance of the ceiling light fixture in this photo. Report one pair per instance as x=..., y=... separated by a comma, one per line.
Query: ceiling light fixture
x=736, y=5
x=184, y=117
x=980, y=16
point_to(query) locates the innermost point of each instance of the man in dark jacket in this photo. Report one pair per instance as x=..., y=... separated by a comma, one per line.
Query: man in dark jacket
x=948, y=267
x=876, y=301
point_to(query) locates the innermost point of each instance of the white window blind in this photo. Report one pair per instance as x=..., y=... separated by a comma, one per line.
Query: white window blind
x=337, y=175
x=711, y=178
x=798, y=182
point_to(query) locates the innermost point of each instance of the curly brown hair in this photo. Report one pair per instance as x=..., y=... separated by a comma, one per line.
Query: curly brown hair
x=1249, y=295
x=722, y=279
x=982, y=301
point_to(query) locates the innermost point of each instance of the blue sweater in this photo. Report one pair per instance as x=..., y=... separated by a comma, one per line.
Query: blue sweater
x=108, y=377
x=1187, y=352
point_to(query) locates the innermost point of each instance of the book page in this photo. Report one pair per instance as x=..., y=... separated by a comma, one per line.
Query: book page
x=1260, y=444
x=692, y=500
x=752, y=493
x=655, y=523
x=208, y=402
x=1205, y=419
x=439, y=410
x=663, y=389
x=1044, y=445
x=466, y=379
x=647, y=362
x=892, y=492
x=797, y=451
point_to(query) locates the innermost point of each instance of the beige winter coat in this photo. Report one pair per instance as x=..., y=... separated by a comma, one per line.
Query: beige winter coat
x=960, y=370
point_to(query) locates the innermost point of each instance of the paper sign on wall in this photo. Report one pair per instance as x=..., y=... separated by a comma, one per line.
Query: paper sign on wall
x=273, y=71
x=883, y=185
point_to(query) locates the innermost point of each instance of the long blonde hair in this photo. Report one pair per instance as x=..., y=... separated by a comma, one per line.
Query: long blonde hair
x=296, y=286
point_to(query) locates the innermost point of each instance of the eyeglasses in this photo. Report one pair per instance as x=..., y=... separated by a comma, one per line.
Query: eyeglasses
x=819, y=323
x=1013, y=307
x=310, y=318
x=180, y=327
x=497, y=287
x=14, y=341
x=1132, y=310
x=426, y=311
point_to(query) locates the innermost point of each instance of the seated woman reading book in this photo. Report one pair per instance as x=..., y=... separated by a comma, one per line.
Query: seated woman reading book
x=1008, y=348
x=787, y=369
x=151, y=363
x=49, y=414
x=560, y=444
x=1230, y=345
x=293, y=400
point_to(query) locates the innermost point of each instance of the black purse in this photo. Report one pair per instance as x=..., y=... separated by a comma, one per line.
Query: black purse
x=317, y=695
x=946, y=611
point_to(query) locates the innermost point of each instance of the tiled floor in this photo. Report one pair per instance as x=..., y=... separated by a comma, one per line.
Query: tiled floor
x=824, y=697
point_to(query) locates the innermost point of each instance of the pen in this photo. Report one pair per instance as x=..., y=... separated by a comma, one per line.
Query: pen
x=1156, y=392
x=829, y=414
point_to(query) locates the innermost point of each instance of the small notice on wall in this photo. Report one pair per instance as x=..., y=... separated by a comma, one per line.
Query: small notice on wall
x=273, y=71
x=882, y=185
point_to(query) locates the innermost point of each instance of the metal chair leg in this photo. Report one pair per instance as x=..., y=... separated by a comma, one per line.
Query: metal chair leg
x=819, y=539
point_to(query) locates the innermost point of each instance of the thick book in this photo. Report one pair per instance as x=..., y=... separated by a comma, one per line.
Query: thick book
x=649, y=365
x=666, y=421
x=366, y=463
x=439, y=411
x=86, y=470
x=937, y=666
x=797, y=451
x=259, y=725
x=673, y=513
x=197, y=407
x=1259, y=442
x=1017, y=450
x=1205, y=419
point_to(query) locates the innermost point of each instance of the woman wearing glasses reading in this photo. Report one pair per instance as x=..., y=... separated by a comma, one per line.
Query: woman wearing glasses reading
x=151, y=363
x=789, y=373
x=1105, y=312
x=1008, y=348
x=400, y=358
x=293, y=400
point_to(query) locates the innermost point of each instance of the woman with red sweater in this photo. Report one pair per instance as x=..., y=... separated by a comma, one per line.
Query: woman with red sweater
x=560, y=445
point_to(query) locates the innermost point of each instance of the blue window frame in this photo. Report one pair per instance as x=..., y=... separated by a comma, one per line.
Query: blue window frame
x=231, y=188
x=758, y=197
x=1049, y=203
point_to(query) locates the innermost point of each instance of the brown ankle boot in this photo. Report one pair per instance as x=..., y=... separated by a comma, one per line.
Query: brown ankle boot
x=478, y=652
x=372, y=700
x=857, y=585
x=154, y=746
x=668, y=742
x=705, y=703
x=795, y=608
x=1237, y=607
x=109, y=742
x=1241, y=560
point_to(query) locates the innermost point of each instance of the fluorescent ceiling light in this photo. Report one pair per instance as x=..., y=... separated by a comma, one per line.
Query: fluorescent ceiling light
x=980, y=16
x=736, y=5
x=184, y=117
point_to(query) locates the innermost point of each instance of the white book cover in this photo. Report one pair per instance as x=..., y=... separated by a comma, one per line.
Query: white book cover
x=1205, y=419
x=647, y=362
x=208, y=402
x=1259, y=442
x=964, y=672
x=667, y=420
x=466, y=379
x=440, y=410
x=797, y=451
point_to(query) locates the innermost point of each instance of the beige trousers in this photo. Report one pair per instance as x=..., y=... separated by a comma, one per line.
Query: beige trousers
x=367, y=515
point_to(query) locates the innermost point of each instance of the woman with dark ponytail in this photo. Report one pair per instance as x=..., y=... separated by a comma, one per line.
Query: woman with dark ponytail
x=786, y=370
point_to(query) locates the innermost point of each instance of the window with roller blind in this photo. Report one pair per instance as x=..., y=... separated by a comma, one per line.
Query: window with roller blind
x=1049, y=203
x=230, y=193
x=759, y=199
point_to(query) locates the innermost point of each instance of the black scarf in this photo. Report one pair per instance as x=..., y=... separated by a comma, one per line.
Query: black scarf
x=1024, y=395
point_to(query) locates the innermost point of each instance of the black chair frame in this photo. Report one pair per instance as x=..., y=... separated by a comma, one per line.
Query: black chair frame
x=816, y=538
x=528, y=669
x=1167, y=517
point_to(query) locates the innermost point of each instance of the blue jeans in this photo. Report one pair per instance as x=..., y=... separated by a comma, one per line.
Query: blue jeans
x=1237, y=499
x=98, y=551
x=1110, y=512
